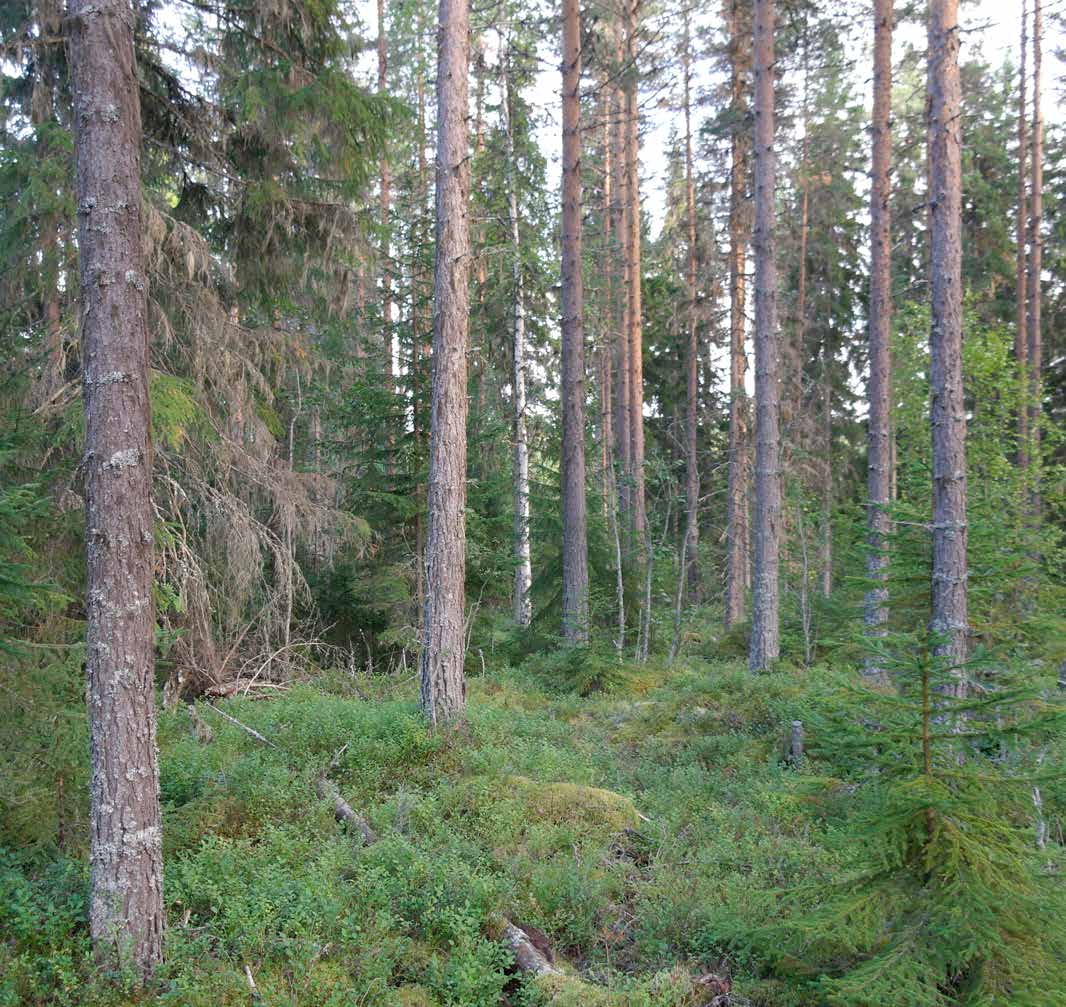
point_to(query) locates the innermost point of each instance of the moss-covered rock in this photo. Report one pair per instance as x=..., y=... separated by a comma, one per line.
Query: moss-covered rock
x=576, y=804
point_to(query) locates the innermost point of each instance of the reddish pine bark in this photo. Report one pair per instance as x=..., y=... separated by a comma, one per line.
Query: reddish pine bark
x=575, y=535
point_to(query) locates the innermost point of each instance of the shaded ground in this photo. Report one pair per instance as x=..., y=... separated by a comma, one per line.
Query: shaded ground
x=644, y=832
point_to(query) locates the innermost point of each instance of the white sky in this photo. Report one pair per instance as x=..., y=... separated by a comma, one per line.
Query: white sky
x=990, y=26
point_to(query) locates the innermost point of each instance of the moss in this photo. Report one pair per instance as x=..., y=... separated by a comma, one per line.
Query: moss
x=576, y=804
x=414, y=996
x=570, y=991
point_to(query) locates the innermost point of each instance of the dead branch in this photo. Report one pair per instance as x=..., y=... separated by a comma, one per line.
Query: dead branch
x=343, y=811
x=244, y=727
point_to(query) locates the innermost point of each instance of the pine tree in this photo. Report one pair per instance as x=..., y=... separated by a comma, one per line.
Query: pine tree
x=879, y=452
x=765, y=629
x=575, y=534
x=126, y=915
x=736, y=576
x=948, y=414
x=443, y=627
x=1034, y=348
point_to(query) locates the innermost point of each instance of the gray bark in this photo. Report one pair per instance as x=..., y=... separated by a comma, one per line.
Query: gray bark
x=523, y=573
x=736, y=573
x=1034, y=350
x=765, y=629
x=634, y=272
x=126, y=916
x=690, y=565
x=385, y=205
x=619, y=286
x=879, y=428
x=948, y=415
x=1021, y=288
x=443, y=637
x=575, y=532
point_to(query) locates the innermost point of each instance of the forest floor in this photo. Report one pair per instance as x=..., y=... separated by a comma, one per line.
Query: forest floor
x=644, y=833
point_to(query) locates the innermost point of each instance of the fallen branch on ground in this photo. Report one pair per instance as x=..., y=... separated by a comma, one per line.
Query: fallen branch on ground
x=244, y=727
x=527, y=955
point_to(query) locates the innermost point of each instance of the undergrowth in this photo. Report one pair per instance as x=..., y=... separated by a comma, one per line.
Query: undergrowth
x=646, y=819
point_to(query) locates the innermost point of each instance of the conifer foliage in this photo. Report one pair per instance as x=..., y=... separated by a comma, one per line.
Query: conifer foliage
x=479, y=422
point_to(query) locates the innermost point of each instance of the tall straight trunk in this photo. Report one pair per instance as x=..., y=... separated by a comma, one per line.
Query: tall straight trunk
x=523, y=573
x=635, y=333
x=575, y=533
x=948, y=414
x=385, y=207
x=736, y=573
x=608, y=340
x=48, y=15
x=619, y=265
x=692, y=470
x=618, y=443
x=765, y=627
x=826, y=558
x=481, y=355
x=1021, y=277
x=420, y=325
x=879, y=423
x=126, y=914
x=1034, y=350
x=443, y=638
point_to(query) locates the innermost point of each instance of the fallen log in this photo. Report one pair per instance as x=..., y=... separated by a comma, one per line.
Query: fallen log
x=533, y=956
x=528, y=957
x=343, y=811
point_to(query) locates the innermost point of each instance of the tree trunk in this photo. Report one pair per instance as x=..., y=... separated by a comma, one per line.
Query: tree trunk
x=443, y=638
x=826, y=564
x=1034, y=350
x=608, y=334
x=765, y=629
x=385, y=208
x=879, y=429
x=638, y=508
x=126, y=915
x=48, y=15
x=736, y=576
x=620, y=285
x=523, y=574
x=575, y=534
x=1021, y=289
x=948, y=415
x=692, y=471
x=420, y=324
